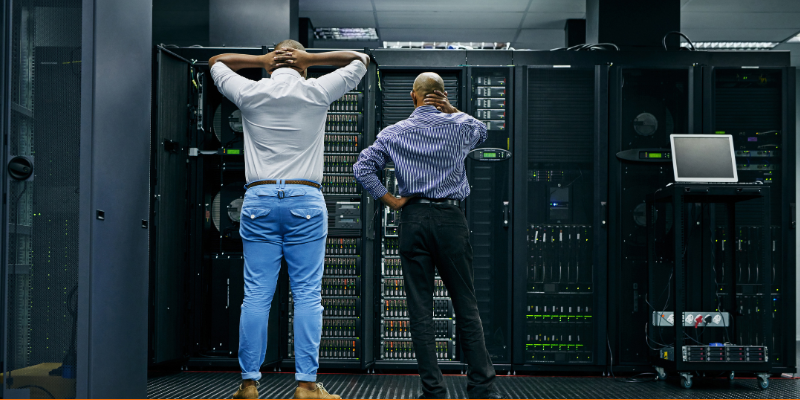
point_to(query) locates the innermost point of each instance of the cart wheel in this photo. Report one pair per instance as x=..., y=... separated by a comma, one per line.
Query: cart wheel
x=763, y=382
x=662, y=376
x=732, y=376
x=686, y=382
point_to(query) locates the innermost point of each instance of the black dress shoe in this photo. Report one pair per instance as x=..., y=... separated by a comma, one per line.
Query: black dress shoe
x=425, y=396
x=493, y=395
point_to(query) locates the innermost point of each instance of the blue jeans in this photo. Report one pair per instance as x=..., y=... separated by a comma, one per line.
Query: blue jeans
x=282, y=221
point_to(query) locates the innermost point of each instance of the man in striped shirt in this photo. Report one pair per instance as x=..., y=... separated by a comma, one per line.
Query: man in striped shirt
x=428, y=150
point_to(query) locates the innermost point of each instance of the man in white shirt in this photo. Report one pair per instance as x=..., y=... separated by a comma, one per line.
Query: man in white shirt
x=284, y=213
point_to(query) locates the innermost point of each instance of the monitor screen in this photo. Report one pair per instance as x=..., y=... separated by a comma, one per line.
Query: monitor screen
x=706, y=158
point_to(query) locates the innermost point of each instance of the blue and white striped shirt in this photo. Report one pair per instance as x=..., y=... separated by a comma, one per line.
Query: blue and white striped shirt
x=428, y=150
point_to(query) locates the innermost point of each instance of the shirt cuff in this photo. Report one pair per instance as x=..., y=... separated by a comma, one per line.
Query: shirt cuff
x=377, y=192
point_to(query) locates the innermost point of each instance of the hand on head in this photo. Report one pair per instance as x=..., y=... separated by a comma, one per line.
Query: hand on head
x=439, y=100
x=296, y=59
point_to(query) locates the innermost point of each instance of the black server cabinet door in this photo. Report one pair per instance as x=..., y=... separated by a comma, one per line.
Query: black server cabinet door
x=39, y=237
x=488, y=210
x=647, y=105
x=560, y=229
x=756, y=107
x=168, y=205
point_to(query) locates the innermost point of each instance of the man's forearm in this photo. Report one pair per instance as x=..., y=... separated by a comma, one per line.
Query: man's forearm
x=338, y=58
x=238, y=61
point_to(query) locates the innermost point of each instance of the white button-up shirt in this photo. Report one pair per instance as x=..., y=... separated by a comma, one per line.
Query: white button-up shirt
x=284, y=118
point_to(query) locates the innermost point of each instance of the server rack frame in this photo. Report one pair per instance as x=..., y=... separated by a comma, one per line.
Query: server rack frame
x=409, y=364
x=600, y=218
x=788, y=187
x=615, y=166
x=503, y=211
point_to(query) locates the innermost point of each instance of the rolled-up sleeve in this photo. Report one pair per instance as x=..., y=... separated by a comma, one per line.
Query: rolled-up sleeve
x=341, y=81
x=229, y=83
x=476, y=132
x=370, y=161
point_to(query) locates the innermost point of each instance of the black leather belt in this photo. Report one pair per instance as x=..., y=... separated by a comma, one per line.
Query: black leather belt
x=423, y=200
x=289, y=182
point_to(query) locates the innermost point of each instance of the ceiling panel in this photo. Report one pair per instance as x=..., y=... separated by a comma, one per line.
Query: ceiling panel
x=749, y=6
x=448, y=20
x=727, y=20
x=448, y=35
x=567, y=6
x=451, y=6
x=337, y=5
x=548, y=20
x=539, y=39
x=339, y=19
x=748, y=35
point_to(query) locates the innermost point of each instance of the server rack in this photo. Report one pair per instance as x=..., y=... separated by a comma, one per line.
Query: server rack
x=346, y=293
x=755, y=105
x=647, y=105
x=394, y=349
x=560, y=234
x=488, y=208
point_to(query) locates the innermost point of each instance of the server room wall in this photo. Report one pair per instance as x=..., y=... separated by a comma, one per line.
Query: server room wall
x=365, y=328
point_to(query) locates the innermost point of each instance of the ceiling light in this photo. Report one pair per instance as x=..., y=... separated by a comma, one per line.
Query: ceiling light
x=794, y=39
x=345, y=34
x=448, y=45
x=734, y=46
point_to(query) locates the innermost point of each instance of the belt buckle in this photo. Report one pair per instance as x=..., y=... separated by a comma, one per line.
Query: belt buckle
x=281, y=194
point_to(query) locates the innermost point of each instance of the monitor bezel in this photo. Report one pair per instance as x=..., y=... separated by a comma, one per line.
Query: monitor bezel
x=710, y=180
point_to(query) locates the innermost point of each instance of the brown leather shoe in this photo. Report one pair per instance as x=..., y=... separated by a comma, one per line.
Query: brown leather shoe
x=319, y=393
x=250, y=392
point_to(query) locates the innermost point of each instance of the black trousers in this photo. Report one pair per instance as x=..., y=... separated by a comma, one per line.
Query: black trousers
x=437, y=235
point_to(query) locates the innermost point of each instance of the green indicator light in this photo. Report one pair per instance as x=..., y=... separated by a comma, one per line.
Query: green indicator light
x=653, y=155
x=490, y=155
x=232, y=151
x=720, y=132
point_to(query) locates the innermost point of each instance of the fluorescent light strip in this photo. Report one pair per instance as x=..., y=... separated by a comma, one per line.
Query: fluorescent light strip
x=732, y=45
x=794, y=39
x=448, y=45
x=345, y=34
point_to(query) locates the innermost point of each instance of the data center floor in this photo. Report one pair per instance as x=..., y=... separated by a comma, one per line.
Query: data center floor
x=377, y=386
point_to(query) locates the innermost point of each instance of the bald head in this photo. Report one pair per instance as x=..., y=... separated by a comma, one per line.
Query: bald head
x=289, y=44
x=426, y=83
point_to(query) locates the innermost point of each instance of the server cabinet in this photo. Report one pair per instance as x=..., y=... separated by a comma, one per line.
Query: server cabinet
x=646, y=106
x=347, y=294
x=755, y=105
x=393, y=346
x=488, y=208
x=559, y=213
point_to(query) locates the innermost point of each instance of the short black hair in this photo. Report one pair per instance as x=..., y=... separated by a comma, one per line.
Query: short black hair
x=289, y=44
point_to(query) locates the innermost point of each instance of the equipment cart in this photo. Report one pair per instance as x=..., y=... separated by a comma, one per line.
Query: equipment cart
x=697, y=266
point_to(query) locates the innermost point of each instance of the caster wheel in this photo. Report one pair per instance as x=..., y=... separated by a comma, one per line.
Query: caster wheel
x=731, y=376
x=686, y=383
x=662, y=376
x=763, y=383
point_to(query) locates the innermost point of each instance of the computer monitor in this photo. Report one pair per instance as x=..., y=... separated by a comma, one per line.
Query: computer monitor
x=703, y=158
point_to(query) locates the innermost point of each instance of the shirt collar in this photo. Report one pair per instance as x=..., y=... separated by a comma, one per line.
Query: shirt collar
x=286, y=71
x=421, y=110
